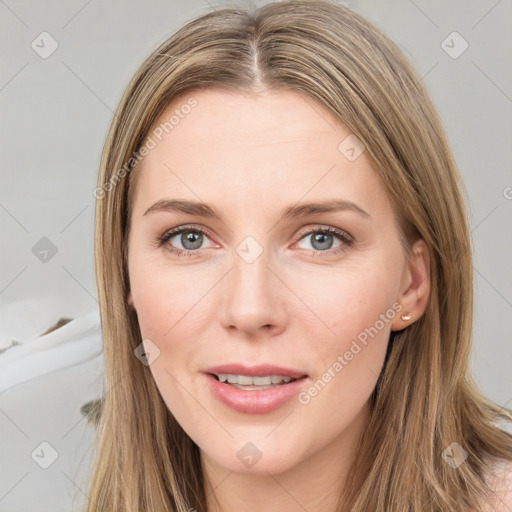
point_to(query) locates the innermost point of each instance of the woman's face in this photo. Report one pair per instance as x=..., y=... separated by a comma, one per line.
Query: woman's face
x=258, y=287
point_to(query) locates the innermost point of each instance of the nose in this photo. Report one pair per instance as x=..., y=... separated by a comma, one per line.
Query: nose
x=253, y=297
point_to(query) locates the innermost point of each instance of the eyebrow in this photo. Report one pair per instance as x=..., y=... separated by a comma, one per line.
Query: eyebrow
x=292, y=211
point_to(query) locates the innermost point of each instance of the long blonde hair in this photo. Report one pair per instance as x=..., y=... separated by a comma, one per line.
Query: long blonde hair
x=425, y=398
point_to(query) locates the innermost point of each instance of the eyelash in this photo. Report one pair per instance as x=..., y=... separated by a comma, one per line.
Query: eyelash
x=344, y=237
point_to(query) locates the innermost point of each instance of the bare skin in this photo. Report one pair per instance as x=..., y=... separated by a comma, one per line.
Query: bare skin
x=300, y=304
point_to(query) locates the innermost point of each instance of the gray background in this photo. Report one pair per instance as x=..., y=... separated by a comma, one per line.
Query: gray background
x=56, y=112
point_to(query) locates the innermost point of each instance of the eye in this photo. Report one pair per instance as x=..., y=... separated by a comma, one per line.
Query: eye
x=322, y=241
x=190, y=239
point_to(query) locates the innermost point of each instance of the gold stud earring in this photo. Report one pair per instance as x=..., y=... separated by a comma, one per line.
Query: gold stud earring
x=406, y=317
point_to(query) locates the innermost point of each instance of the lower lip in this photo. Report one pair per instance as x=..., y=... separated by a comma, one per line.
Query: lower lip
x=254, y=402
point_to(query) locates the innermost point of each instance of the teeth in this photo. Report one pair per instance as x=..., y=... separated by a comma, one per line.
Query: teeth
x=247, y=380
x=262, y=381
x=276, y=379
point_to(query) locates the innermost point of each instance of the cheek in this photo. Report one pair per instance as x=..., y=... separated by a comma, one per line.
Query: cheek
x=342, y=304
x=165, y=302
x=356, y=312
x=164, y=297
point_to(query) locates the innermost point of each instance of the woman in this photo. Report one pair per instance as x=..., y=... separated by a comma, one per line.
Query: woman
x=285, y=279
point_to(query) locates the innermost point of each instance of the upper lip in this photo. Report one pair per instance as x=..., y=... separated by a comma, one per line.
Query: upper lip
x=260, y=370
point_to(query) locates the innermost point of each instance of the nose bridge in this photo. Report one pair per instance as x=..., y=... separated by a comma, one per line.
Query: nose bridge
x=252, y=295
x=250, y=279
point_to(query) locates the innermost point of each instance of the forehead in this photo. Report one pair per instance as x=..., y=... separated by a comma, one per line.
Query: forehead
x=227, y=122
x=278, y=146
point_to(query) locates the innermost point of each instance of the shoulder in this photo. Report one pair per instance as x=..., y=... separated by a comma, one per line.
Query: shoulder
x=500, y=483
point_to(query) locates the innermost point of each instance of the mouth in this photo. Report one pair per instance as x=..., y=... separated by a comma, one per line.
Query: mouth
x=254, y=394
x=262, y=376
x=253, y=382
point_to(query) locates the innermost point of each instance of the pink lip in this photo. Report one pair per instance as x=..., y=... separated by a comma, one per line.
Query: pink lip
x=254, y=401
x=255, y=371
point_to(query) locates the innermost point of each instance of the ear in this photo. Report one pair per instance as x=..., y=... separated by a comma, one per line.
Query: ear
x=415, y=287
x=130, y=300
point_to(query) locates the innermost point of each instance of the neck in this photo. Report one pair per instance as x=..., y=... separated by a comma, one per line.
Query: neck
x=315, y=484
